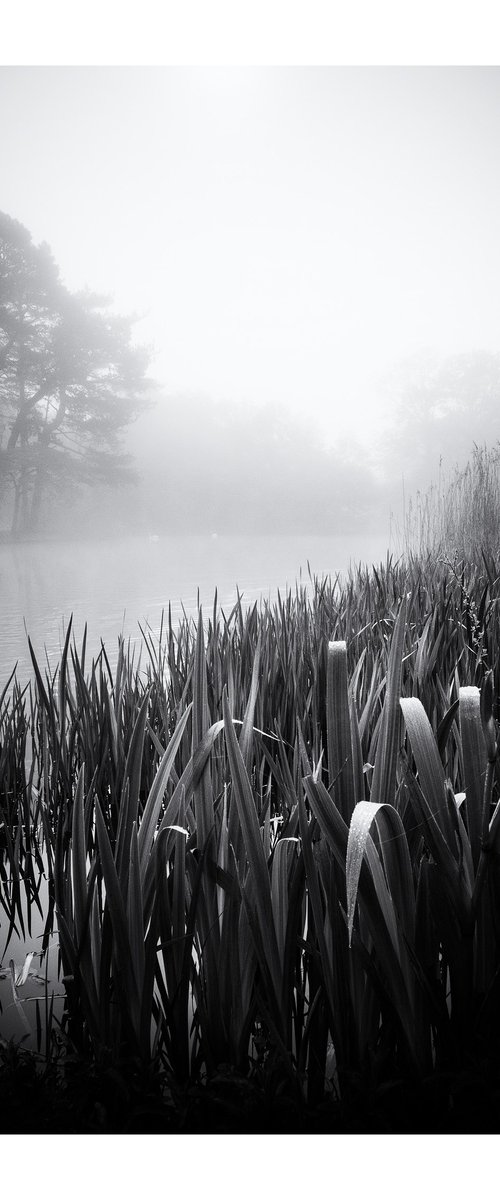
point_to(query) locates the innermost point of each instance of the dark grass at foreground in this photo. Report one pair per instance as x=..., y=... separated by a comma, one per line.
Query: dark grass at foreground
x=75, y=1096
x=273, y=866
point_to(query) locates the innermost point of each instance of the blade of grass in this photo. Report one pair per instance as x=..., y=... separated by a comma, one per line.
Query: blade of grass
x=253, y=844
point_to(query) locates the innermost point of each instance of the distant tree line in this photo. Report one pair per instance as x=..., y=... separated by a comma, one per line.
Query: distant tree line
x=231, y=468
x=72, y=382
x=440, y=407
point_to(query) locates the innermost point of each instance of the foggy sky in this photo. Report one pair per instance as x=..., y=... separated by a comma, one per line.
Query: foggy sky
x=285, y=233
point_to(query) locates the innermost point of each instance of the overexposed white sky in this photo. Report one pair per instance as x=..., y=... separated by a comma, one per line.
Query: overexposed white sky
x=285, y=233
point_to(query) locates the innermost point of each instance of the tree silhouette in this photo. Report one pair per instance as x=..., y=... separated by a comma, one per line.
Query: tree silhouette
x=70, y=381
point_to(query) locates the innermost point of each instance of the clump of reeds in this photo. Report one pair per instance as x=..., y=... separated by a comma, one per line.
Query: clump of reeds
x=459, y=516
x=272, y=853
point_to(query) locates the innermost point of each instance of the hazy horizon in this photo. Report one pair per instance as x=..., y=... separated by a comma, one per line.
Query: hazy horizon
x=286, y=235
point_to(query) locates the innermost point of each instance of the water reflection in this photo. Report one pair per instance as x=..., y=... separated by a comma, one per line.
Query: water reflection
x=18, y=1017
x=114, y=585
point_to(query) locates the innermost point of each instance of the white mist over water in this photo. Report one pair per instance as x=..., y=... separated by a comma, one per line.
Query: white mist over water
x=114, y=585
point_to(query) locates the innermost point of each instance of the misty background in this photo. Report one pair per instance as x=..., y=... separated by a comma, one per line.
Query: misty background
x=312, y=259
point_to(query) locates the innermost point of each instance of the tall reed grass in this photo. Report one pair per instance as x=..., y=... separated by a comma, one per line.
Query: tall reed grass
x=459, y=516
x=272, y=852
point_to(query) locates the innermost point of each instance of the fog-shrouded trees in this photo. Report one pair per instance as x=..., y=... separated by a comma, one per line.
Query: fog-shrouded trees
x=439, y=408
x=230, y=468
x=71, y=380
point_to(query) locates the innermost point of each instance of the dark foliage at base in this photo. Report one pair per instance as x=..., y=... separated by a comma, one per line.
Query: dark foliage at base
x=74, y=1097
x=272, y=865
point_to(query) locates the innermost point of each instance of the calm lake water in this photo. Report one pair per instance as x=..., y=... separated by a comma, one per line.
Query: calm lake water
x=114, y=585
